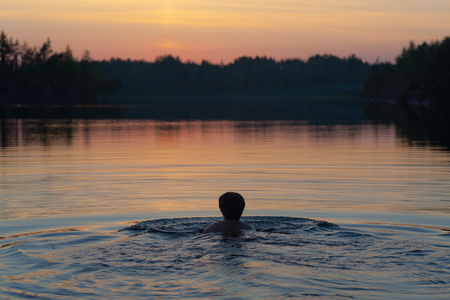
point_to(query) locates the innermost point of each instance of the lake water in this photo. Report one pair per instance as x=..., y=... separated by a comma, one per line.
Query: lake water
x=114, y=208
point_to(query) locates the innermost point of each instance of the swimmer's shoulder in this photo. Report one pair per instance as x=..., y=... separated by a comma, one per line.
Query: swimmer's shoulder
x=227, y=226
x=213, y=227
x=245, y=226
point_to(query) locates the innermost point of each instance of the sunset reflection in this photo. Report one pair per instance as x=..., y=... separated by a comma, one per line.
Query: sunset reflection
x=111, y=166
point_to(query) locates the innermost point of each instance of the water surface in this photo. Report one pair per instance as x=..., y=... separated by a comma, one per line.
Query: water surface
x=344, y=210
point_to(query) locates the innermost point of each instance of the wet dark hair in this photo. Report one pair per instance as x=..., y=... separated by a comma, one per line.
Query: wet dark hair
x=231, y=205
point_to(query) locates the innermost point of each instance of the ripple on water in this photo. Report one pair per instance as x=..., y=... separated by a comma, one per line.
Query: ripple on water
x=283, y=257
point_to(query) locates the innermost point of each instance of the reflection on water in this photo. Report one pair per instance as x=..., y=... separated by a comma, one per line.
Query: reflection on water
x=390, y=195
x=78, y=167
x=318, y=108
x=419, y=125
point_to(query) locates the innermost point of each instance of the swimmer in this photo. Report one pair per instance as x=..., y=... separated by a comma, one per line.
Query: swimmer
x=231, y=205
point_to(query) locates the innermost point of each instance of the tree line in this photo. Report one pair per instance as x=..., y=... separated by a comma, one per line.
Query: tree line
x=40, y=76
x=246, y=76
x=421, y=75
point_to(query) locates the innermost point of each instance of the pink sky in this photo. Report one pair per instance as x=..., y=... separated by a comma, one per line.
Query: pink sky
x=220, y=31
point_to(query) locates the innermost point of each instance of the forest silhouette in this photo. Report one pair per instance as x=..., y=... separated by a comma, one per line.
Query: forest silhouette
x=421, y=75
x=40, y=76
x=31, y=75
x=246, y=76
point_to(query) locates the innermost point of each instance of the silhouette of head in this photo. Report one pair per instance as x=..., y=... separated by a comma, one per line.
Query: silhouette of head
x=231, y=205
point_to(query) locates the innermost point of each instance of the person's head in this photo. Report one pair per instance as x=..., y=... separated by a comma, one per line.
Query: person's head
x=231, y=205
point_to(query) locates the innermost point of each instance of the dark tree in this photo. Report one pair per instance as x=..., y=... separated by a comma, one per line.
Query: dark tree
x=421, y=75
x=40, y=76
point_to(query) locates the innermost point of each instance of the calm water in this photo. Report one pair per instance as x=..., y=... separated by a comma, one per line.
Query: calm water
x=341, y=211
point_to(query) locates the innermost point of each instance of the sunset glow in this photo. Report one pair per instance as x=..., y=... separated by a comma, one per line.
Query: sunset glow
x=223, y=30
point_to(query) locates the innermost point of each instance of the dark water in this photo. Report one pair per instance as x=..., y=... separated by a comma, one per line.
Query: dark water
x=284, y=257
x=313, y=108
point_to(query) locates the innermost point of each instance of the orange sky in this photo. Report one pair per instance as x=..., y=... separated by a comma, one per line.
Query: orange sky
x=219, y=30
